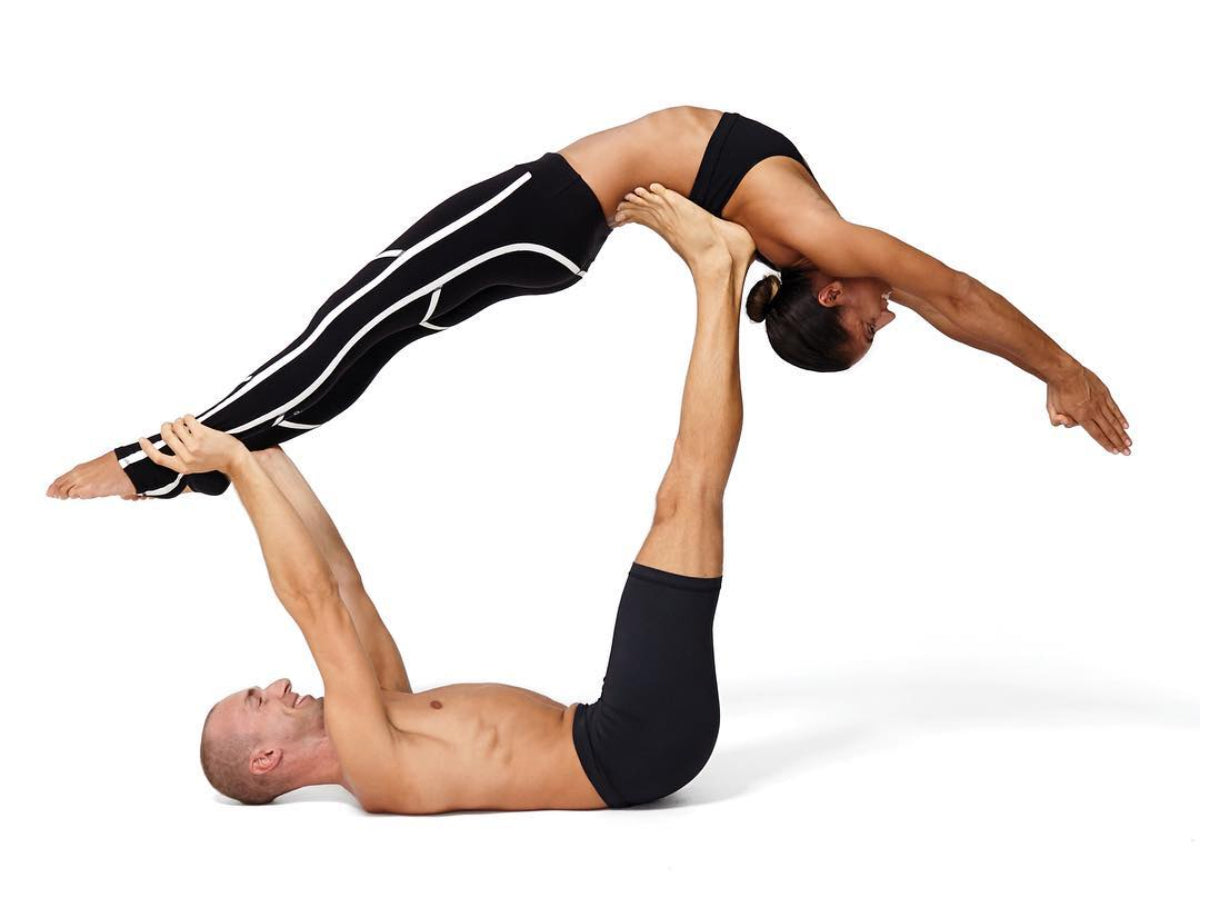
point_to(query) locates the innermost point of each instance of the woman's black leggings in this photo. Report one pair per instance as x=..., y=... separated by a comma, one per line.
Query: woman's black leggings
x=532, y=229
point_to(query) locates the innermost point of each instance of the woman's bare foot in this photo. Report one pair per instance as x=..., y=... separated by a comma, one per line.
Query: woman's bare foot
x=100, y=477
x=692, y=232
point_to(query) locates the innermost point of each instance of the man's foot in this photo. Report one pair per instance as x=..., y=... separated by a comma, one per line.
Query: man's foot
x=100, y=477
x=690, y=230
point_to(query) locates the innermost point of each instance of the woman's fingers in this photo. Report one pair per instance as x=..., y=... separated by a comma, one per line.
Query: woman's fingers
x=1115, y=431
x=194, y=425
x=1119, y=418
x=1111, y=429
x=1100, y=433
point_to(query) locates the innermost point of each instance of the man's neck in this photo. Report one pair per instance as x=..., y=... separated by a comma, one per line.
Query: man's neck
x=318, y=763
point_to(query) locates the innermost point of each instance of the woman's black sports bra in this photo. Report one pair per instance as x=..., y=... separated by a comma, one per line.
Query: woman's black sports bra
x=738, y=143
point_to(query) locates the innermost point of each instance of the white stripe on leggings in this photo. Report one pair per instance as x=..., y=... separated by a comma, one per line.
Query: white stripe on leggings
x=163, y=489
x=394, y=265
x=391, y=309
x=401, y=258
x=424, y=322
x=131, y=458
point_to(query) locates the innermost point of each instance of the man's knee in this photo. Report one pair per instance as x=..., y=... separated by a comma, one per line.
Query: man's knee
x=688, y=746
x=687, y=494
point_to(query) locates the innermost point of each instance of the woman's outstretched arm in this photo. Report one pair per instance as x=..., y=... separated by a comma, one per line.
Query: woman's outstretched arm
x=964, y=309
x=1071, y=386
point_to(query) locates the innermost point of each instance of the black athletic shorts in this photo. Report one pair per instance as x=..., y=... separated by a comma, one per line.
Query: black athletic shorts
x=654, y=726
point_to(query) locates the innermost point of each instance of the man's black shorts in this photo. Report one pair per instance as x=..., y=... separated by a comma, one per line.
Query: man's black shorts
x=654, y=726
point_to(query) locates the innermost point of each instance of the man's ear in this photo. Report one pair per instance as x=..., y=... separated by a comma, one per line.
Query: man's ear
x=264, y=761
x=829, y=296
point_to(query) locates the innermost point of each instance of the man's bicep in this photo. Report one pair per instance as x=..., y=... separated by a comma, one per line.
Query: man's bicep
x=354, y=711
x=379, y=644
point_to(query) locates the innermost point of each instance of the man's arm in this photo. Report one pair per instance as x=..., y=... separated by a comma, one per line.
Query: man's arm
x=374, y=636
x=964, y=309
x=686, y=536
x=355, y=715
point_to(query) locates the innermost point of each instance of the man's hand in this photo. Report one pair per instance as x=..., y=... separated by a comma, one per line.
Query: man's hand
x=195, y=447
x=1079, y=398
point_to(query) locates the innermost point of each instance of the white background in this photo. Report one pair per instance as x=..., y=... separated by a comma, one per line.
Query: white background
x=958, y=650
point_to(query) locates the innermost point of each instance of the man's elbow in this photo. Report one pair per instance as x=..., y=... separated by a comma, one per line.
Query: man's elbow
x=308, y=592
x=348, y=577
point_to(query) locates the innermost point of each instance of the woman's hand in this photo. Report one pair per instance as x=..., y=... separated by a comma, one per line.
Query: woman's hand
x=195, y=447
x=694, y=234
x=1079, y=398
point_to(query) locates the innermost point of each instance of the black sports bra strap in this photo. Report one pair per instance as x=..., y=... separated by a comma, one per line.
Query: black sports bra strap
x=738, y=143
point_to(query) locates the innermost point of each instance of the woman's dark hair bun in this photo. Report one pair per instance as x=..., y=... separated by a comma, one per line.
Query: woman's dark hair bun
x=800, y=329
x=759, y=299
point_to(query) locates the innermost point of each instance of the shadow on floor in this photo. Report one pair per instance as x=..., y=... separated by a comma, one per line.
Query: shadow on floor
x=316, y=794
x=829, y=718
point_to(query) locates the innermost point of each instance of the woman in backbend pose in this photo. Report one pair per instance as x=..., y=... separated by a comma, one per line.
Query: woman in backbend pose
x=536, y=228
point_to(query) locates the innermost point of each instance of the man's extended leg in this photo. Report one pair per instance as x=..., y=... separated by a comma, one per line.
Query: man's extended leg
x=656, y=723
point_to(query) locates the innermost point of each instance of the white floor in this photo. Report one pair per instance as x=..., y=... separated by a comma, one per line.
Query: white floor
x=860, y=791
x=960, y=653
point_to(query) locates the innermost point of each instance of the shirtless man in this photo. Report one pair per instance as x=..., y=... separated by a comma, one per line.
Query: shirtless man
x=487, y=746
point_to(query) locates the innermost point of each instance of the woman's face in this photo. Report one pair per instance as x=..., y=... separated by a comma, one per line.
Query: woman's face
x=864, y=309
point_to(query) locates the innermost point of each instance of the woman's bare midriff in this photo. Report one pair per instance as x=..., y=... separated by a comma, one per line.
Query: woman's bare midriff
x=668, y=146
x=485, y=746
x=664, y=146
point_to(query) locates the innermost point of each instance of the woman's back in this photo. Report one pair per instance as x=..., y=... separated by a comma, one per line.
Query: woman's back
x=668, y=146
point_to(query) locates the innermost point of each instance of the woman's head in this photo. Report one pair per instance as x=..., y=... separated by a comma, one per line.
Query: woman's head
x=817, y=322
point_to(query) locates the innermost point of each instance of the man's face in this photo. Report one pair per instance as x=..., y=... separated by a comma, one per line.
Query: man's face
x=273, y=716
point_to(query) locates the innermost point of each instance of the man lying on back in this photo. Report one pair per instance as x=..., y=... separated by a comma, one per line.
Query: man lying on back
x=488, y=746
